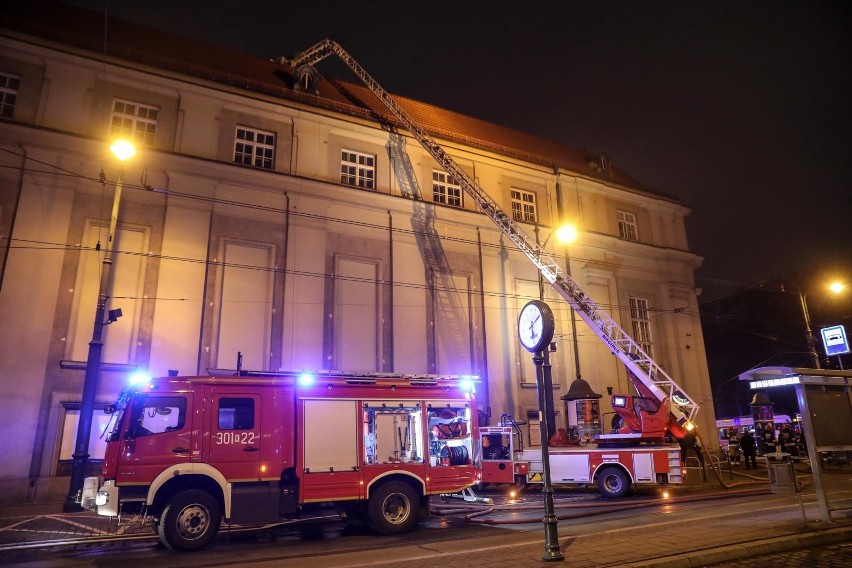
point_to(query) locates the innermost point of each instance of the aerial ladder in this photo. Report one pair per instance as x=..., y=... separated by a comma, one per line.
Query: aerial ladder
x=662, y=405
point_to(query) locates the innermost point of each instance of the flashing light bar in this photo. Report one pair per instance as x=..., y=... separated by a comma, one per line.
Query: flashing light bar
x=139, y=378
x=779, y=382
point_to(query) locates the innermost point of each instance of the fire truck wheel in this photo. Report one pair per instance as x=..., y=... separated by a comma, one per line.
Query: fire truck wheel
x=394, y=508
x=613, y=483
x=189, y=521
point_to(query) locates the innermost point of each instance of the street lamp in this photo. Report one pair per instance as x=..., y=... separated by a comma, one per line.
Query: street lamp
x=565, y=234
x=835, y=288
x=122, y=150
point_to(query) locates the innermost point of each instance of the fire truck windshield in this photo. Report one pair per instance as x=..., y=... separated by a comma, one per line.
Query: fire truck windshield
x=114, y=426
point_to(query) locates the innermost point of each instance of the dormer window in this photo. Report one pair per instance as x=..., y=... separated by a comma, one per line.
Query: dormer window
x=307, y=79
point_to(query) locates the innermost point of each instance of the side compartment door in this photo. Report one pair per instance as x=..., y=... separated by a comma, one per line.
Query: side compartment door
x=235, y=434
x=330, y=450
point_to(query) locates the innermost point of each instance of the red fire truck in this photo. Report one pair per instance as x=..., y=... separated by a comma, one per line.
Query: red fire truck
x=612, y=468
x=189, y=451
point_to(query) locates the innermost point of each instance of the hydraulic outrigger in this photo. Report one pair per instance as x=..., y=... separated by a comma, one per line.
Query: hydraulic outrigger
x=645, y=419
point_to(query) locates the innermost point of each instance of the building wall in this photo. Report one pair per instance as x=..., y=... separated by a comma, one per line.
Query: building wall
x=286, y=267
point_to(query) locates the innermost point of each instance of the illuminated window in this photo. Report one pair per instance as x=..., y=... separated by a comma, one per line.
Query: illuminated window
x=357, y=169
x=134, y=121
x=8, y=93
x=523, y=205
x=255, y=148
x=445, y=189
x=640, y=319
x=627, y=226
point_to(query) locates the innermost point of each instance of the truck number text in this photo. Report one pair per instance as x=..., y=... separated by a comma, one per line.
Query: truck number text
x=227, y=438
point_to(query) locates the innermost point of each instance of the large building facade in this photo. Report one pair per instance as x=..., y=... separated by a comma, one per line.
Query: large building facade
x=276, y=220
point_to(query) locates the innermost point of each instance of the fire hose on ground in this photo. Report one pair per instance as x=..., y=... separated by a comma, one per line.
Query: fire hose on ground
x=474, y=511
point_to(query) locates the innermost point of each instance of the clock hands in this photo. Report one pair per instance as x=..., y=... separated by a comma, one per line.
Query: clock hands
x=533, y=334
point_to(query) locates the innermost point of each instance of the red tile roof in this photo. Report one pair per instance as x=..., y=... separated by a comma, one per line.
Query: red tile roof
x=80, y=28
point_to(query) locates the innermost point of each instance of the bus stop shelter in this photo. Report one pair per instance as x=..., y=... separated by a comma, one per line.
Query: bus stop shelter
x=825, y=404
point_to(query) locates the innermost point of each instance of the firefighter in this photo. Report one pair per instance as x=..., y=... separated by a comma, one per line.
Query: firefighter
x=733, y=445
x=747, y=445
x=785, y=439
x=690, y=442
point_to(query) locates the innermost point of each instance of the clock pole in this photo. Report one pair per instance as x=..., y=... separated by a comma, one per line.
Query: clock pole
x=535, y=330
x=551, y=536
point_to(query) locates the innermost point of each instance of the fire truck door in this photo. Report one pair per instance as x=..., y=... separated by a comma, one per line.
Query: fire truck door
x=235, y=434
x=158, y=435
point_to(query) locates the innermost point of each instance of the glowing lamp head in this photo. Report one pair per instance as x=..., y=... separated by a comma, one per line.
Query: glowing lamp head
x=122, y=150
x=836, y=287
x=665, y=494
x=305, y=380
x=466, y=384
x=566, y=234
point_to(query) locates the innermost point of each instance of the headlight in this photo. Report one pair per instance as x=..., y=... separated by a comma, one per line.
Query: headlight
x=102, y=498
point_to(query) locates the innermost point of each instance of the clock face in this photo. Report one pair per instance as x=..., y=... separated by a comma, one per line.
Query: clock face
x=535, y=326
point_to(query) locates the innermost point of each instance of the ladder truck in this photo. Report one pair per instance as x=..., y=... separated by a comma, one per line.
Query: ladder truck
x=660, y=406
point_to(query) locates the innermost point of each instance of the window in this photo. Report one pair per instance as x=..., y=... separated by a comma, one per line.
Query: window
x=255, y=148
x=158, y=414
x=445, y=189
x=357, y=169
x=523, y=205
x=627, y=226
x=97, y=441
x=8, y=93
x=639, y=317
x=236, y=413
x=134, y=121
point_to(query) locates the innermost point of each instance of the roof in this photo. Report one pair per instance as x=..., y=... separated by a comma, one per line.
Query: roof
x=84, y=29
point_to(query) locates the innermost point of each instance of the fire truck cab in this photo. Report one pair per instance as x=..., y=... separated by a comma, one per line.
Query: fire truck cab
x=191, y=451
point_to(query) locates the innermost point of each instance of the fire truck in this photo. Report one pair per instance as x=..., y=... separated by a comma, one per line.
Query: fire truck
x=634, y=451
x=189, y=451
x=612, y=468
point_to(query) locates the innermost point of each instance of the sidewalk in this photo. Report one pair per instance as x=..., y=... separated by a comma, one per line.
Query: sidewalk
x=668, y=538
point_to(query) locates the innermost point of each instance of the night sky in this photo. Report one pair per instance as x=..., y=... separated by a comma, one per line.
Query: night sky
x=742, y=110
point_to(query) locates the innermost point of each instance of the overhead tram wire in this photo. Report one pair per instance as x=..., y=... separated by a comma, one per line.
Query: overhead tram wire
x=47, y=246
x=277, y=210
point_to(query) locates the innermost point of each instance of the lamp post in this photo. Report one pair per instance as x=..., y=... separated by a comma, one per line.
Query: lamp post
x=835, y=288
x=122, y=150
x=536, y=325
x=809, y=336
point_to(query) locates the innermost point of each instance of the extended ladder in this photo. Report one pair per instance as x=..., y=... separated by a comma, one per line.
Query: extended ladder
x=652, y=376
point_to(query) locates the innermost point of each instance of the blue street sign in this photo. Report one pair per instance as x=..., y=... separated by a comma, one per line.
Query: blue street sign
x=834, y=340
